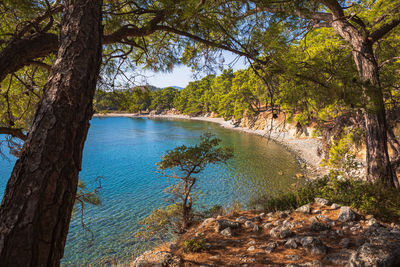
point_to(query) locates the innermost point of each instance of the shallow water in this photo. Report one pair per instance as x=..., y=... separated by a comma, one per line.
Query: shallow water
x=123, y=152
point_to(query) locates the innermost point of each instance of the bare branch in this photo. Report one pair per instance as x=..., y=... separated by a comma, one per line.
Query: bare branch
x=14, y=132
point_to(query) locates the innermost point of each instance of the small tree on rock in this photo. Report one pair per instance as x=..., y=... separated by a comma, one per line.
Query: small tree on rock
x=188, y=161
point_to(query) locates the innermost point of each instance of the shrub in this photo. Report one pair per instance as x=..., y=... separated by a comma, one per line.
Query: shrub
x=196, y=244
x=366, y=197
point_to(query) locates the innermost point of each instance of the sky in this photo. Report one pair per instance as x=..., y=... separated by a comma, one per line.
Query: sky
x=182, y=75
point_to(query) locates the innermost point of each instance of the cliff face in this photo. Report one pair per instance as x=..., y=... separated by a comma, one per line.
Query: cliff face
x=317, y=234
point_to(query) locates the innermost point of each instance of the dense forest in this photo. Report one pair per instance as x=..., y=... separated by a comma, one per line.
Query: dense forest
x=330, y=62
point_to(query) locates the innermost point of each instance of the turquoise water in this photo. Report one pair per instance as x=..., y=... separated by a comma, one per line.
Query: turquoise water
x=123, y=152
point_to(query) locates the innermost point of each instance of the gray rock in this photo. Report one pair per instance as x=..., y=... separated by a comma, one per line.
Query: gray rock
x=227, y=232
x=206, y=222
x=346, y=214
x=241, y=219
x=277, y=222
x=248, y=224
x=159, y=258
x=344, y=243
x=268, y=225
x=256, y=219
x=285, y=233
x=318, y=226
x=256, y=228
x=313, y=245
x=223, y=224
x=275, y=232
x=372, y=221
x=315, y=263
x=291, y=243
x=271, y=247
x=252, y=248
x=287, y=224
x=335, y=206
x=251, y=243
x=305, y=209
x=321, y=201
x=293, y=257
x=340, y=258
x=385, y=255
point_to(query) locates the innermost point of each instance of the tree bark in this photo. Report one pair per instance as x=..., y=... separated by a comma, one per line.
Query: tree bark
x=39, y=197
x=379, y=167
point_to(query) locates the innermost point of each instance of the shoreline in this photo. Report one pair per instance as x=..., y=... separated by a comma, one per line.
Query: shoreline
x=304, y=148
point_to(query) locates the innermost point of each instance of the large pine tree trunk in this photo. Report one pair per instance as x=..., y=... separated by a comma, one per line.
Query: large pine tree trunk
x=379, y=167
x=37, y=204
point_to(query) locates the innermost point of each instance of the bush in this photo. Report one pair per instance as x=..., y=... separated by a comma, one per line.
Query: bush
x=196, y=244
x=366, y=197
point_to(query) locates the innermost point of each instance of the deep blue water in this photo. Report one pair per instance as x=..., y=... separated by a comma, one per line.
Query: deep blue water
x=123, y=152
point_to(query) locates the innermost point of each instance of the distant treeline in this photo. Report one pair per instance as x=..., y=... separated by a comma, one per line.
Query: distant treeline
x=229, y=95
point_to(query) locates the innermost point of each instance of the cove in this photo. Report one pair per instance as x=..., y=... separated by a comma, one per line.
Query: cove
x=121, y=153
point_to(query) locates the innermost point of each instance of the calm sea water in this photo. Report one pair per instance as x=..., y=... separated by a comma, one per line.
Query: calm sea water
x=123, y=152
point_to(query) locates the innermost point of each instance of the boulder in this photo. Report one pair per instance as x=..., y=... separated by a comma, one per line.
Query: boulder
x=285, y=233
x=206, y=222
x=248, y=224
x=293, y=257
x=340, y=258
x=256, y=228
x=271, y=247
x=256, y=219
x=268, y=225
x=252, y=248
x=241, y=219
x=318, y=226
x=291, y=243
x=274, y=232
x=223, y=224
x=346, y=214
x=313, y=245
x=335, y=206
x=159, y=258
x=227, y=232
x=385, y=254
x=305, y=209
x=321, y=201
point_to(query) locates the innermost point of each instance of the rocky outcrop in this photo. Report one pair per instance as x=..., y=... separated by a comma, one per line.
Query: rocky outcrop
x=159, y=258
x=318, y=235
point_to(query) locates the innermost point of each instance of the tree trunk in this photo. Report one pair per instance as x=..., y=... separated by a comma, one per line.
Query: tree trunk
x=379, y=167
x=39, y=197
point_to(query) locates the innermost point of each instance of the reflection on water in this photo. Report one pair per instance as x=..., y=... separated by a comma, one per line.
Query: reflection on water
x=123, y=151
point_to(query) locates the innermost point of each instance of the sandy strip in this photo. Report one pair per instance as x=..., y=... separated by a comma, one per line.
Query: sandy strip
x=304, y=148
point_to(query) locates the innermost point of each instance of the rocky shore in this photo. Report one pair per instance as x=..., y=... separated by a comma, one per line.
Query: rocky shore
x=317, y=234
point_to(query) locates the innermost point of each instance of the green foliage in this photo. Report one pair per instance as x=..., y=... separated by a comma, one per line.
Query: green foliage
x=214, y=211
x=196, y=244
x=342, y=150
x=188, y=161
x=366, y=197
x=161, y=222
x=193, y=159
x=163, y=99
